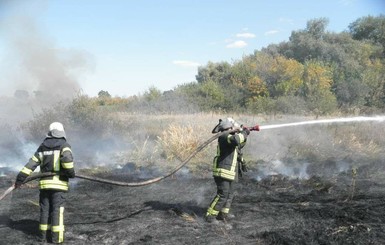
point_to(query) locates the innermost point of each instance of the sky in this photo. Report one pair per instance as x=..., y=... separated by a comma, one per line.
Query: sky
x=125, y=47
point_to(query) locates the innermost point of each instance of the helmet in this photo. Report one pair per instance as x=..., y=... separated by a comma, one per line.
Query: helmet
x=226, y=124
x=235, y=124
x=56, y=130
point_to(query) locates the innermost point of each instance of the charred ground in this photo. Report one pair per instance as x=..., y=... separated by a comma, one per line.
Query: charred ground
x=322, y=209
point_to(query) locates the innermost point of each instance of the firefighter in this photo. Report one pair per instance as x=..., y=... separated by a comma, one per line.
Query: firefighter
x=227, y=165
x=54, y=155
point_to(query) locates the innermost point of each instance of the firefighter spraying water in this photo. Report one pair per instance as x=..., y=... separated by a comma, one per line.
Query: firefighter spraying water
x=203, y=145
x=247, y=207
x=228, y=164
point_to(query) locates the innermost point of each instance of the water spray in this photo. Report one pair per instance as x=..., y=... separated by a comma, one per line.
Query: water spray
x=326, y=121
x=200, y=148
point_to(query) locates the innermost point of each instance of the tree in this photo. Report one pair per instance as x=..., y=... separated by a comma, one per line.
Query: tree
x=288, y=73
x=317, y=83
x=152, y=94
x=217, y=72
x=374, y=77
x=369, y=28
x=308, y=43
x=212, y=95
x=104, y=94
x=317, y=27
x=256, y=89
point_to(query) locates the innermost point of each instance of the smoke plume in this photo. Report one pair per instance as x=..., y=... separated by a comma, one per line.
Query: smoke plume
x=33, y=64
x=36, y=74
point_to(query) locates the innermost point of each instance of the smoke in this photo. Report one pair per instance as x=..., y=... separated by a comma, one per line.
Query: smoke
x=323, y=147
x=33, y=63
x=36, y=74
x=277, y=167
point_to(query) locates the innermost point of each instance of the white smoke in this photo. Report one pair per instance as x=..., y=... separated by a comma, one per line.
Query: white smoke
x=277, y=167
x=35, y=75
x=32, y=62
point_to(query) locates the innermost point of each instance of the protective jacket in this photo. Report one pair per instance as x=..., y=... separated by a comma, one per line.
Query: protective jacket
x=225, y=164
x=54, y=155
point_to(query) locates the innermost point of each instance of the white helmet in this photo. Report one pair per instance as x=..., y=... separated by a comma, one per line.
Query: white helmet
x=235, y=124
x=56, y=130
x=225, y=124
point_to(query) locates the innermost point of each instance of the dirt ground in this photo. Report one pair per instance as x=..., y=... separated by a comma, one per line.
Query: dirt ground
x=342, y=209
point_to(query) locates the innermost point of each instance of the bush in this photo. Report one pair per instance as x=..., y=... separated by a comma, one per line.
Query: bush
x=291, y=105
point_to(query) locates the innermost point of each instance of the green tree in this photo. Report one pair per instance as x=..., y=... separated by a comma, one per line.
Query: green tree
x=369, y=28
x=212, y=96
x=374, y=77
x=217, y=72
x=104, y=94
x=317, y=27
x=308, y=43
x=152, y=94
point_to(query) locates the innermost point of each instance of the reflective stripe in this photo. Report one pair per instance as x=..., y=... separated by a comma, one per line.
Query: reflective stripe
x=241, y=138
x=44, y=227
x=221, y=172
x=211, y=210
x=54, y=184
x=60, y=228
x=225, y=210
x=57, y=228
x=47, y=153
x=41, y=156
x=27, y=171
x=68, y=165
x=226, y=173
x=66, y=149
x=35, y=159
x=56, y=160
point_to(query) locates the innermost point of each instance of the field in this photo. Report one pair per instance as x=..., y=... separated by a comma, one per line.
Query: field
x=314, y=184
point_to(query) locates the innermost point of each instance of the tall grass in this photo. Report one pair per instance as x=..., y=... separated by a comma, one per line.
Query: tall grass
x=101, y=136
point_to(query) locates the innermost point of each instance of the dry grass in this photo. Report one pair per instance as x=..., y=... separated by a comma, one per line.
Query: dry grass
x=178, y=142
x=166, y=139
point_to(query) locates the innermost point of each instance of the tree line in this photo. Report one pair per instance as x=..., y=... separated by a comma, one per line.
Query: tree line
x=316, y=71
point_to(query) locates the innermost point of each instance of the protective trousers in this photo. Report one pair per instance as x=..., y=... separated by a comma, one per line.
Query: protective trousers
x=52, y=215
x=223, y=199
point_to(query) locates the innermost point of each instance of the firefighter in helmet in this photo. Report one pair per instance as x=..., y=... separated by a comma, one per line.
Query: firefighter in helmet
x=54, y=156
x=227, y=165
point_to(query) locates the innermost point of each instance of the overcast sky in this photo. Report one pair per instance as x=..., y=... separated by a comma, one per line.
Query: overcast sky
x=125, y=47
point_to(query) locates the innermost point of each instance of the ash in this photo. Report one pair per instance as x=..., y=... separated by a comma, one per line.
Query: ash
x=274, y=210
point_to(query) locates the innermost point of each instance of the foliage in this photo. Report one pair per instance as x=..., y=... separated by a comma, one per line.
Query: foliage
x=152, y=94
x=369, y=28
x=104, y=94
x=316, y=72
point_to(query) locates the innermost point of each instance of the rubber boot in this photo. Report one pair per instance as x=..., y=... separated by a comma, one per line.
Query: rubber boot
x=42, y=237
x=225, y=216
x=211, y=219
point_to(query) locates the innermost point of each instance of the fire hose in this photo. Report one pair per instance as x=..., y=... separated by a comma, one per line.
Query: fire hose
x=134, y=184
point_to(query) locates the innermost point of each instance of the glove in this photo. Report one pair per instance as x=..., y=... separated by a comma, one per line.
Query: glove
x=246, y=130
x=20, y=180
x=18, y=184
x=255, y=128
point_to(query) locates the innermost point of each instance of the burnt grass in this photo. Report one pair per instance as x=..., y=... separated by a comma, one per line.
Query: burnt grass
x=338, y=209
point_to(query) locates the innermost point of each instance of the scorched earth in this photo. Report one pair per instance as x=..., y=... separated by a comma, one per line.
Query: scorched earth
x=321, y=209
